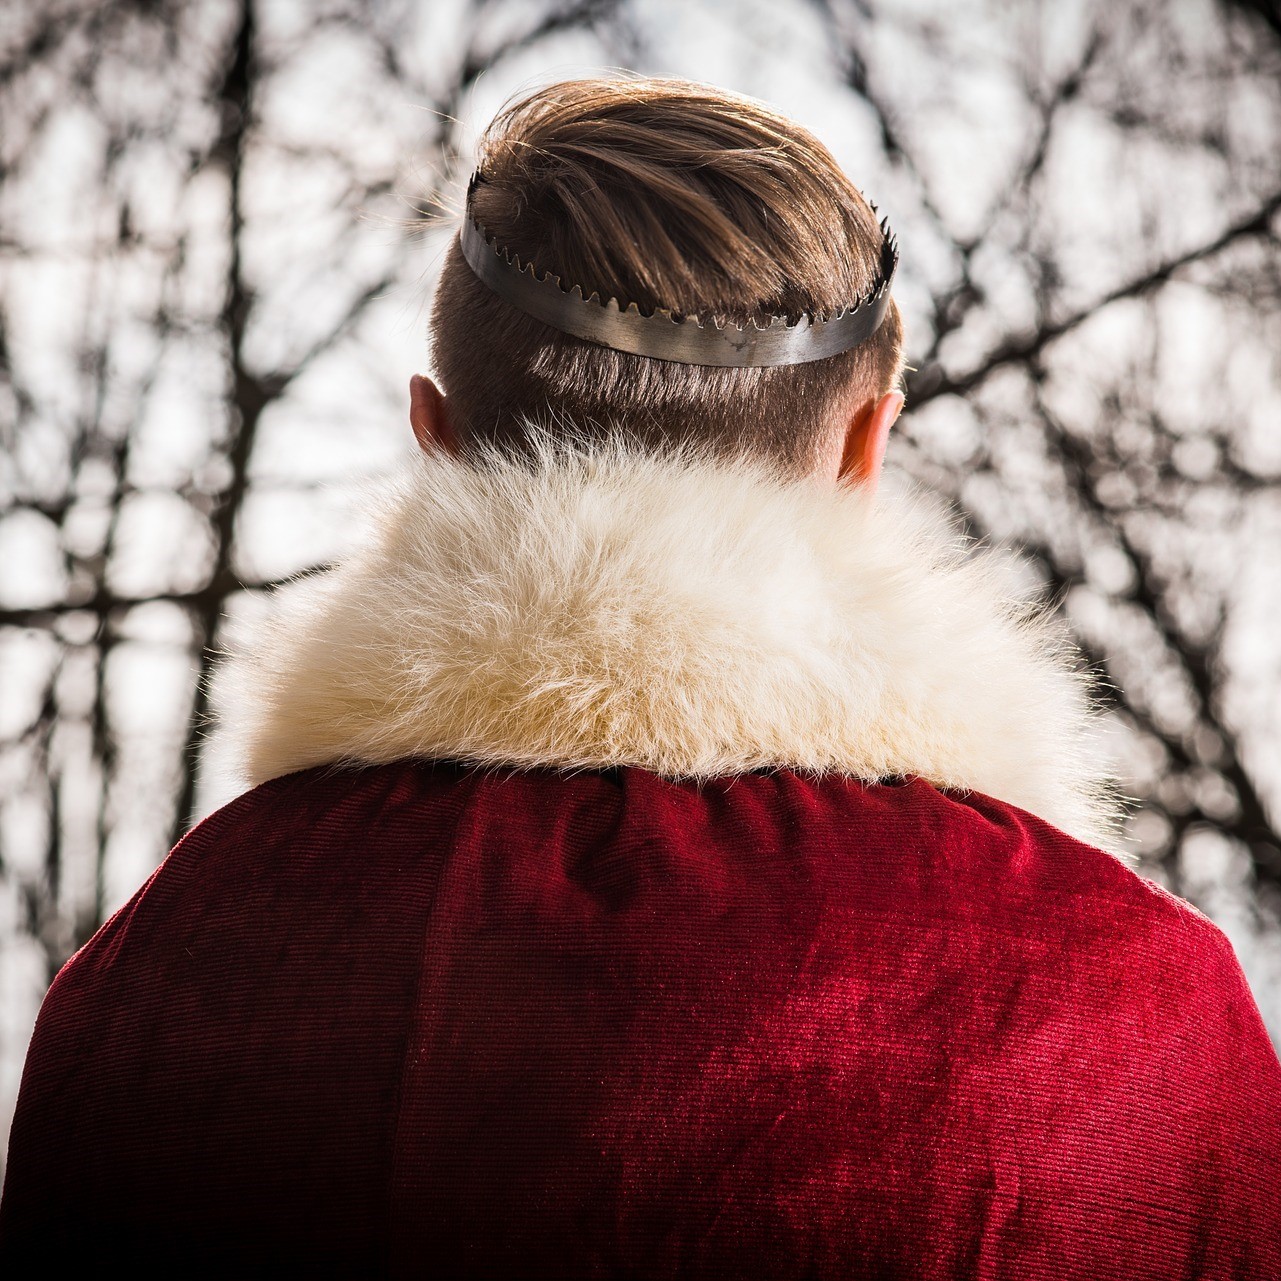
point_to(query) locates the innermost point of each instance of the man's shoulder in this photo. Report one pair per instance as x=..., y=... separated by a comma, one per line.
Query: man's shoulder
x=900, y=855
x=969, y=856
x=903, y=840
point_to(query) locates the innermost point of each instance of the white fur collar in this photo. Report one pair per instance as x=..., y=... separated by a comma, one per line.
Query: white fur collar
x=604, y=606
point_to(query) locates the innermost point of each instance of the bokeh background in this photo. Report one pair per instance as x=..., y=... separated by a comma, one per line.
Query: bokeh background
x=220, y=222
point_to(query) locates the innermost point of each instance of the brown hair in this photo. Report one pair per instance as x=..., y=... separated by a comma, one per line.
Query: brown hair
x=662, y=193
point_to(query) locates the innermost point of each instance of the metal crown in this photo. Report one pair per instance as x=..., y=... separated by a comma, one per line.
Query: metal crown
x=661, y=335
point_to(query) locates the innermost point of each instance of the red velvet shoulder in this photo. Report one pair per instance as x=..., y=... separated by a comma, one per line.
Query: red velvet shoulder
x=608, y=1024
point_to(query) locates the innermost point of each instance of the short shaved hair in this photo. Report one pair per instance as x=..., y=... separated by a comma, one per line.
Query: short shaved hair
x=673, y=194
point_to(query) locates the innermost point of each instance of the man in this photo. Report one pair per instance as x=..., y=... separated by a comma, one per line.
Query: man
x=667, y=857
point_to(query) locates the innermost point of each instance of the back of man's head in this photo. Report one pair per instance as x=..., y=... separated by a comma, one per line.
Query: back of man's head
x=666, y=194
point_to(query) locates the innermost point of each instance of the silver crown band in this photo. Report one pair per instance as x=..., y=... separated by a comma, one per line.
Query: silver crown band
x=663, y=336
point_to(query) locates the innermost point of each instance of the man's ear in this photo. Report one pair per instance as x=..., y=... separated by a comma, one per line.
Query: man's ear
x=866, y=440
x=429, y=416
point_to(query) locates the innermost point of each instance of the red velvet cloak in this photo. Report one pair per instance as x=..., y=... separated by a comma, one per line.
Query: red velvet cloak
x=431, y=1020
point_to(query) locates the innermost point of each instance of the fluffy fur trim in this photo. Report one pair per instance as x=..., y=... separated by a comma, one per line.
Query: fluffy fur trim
x=605, y=605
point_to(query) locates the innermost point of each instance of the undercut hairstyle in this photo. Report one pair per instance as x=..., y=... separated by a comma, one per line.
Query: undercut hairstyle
x=674, y=194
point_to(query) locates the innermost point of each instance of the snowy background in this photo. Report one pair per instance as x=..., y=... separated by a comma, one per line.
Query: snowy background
x=220, y=222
